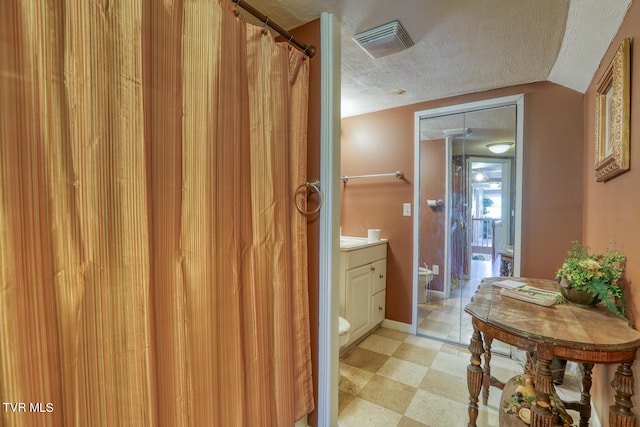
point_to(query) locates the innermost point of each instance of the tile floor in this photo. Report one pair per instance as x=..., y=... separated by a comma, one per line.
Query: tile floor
x=394, y=379
x=445, y=319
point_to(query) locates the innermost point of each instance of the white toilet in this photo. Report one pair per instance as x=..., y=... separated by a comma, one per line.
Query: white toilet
x=344, y=328
x=424, y=277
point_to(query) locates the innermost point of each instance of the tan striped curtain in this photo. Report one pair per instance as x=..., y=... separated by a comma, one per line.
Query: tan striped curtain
x=152, y=263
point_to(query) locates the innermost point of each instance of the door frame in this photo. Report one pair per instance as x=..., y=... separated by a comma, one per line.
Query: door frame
x=328, y=304
x=518, y=101
x=505, y=193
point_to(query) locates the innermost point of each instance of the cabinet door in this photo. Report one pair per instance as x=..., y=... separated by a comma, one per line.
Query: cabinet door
x=358, y=300
x=378, y=308
x=379, y=275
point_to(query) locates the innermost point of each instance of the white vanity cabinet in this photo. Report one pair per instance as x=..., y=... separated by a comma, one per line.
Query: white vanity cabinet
x=363, y=283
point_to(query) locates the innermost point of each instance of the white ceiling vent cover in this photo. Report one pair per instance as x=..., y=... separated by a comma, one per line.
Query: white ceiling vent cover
x=384, y=40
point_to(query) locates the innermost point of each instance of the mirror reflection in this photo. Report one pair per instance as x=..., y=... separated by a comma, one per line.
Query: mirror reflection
x=466, y=223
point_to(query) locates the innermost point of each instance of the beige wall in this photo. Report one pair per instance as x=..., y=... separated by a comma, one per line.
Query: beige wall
x=552, y=183
x=381, y=143
x=611, y=208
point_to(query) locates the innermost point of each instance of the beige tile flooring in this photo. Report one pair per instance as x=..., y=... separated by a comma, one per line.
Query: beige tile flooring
x=394, y=379
x=445, y=318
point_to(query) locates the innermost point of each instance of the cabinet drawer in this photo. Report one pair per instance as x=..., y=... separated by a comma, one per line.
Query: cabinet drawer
x=378, y=308
x=363, y=256
x=378, y=276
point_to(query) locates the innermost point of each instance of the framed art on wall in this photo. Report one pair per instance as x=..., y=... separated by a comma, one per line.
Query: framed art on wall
x=612, y=116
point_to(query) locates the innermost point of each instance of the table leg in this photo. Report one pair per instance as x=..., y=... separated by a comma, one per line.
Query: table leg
x=474, y=375
x=486, y=377
x=542, y=416
x=585, y=396
x=620, y=414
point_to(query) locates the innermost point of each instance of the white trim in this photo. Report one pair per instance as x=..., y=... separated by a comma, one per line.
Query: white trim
x=416, y=221
x=517, y=245
x=518, y=101
x=397, y=326
x=470, y=106
x=505, y=192
x=329, y=221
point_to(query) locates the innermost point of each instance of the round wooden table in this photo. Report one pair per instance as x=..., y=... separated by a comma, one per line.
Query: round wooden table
x=564, y=331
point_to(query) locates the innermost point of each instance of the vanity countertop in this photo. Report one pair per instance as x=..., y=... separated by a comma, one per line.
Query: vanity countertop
x=348, y=243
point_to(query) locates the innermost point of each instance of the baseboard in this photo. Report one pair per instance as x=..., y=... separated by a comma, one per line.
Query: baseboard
x=438, y=294
x=397, y=326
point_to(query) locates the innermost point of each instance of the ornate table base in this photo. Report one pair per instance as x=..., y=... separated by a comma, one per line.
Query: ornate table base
x=479, y=378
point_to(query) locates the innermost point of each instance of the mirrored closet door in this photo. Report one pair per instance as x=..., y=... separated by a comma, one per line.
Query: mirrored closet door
x=467, y=226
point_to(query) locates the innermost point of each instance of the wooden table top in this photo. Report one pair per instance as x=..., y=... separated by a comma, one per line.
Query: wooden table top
x=576, y=329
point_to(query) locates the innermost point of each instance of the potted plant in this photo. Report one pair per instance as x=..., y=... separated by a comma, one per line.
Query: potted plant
x=595, y=274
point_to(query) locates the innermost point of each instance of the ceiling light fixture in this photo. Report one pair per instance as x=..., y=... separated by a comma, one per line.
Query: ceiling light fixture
x=499, y=147
x=481, y=176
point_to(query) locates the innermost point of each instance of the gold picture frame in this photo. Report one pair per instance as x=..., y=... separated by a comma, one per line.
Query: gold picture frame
x=612, y=116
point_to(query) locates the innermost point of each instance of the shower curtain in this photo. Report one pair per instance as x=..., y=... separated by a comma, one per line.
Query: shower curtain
x=152, y=263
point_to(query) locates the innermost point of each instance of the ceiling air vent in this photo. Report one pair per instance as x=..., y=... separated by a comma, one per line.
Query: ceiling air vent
x=384, y=40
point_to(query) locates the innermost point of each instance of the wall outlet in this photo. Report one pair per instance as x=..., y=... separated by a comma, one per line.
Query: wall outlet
x=406, y=209
x=435, y=269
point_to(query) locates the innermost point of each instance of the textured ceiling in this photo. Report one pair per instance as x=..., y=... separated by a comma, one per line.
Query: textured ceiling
x=461, y=46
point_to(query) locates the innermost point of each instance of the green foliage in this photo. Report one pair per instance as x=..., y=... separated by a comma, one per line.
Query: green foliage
x=486, y=204
x=583, y=268
x=597, y=274
x=604, y=292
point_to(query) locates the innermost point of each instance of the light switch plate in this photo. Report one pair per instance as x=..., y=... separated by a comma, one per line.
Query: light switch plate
x=406, y=209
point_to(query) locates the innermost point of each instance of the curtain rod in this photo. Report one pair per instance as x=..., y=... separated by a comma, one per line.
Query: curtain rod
x=308, y=50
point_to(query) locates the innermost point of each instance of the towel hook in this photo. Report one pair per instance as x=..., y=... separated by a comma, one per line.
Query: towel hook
x=309, y=187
